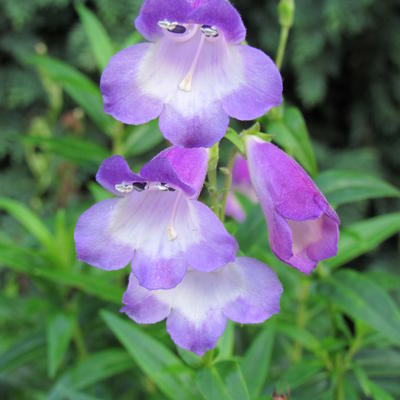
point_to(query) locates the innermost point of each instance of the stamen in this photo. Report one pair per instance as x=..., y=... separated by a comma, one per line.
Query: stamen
x=186, y=84
x=209, y=31
x=139, y=186
x=124, y=187
x=165, y=24
x=172, y=233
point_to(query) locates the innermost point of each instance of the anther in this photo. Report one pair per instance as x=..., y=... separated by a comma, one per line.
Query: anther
x=124, y=187
x=209, y=31
x=139, y=186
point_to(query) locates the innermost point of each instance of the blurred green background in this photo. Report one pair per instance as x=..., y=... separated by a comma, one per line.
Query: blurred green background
x=338, y=333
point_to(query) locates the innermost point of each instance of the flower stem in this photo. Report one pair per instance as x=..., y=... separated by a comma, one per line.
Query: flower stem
x=212, y=177
x=228, y=183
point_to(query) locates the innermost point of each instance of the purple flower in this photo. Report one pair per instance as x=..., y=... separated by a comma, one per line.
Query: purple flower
x=245, y=291
x=193, y=74
x=155, y=222
x=241, y=183
x=303, y=228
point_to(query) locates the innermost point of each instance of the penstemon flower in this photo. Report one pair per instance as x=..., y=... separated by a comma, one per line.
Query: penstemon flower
x=241, y=183
x=245, y=291
x=193, y=74
x=155, y=222
x=303, y=228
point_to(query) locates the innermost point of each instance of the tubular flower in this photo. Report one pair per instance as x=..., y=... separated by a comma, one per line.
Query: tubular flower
x=303, y=228
x=155, y=222
x=245, y=291
x=193, y=73
x=241, y=183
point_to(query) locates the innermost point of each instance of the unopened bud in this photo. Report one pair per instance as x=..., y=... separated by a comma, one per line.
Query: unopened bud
x=286, y=10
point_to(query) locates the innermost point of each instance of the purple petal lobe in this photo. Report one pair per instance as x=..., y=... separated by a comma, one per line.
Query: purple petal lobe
x=222, y=15
x=215, y=247
x=153, y=11
x=142, y=305
x=123, y=95
x=234, y=209
x=204, y=126
x=183, y=168
x=302, y=226
x=113, y=171
x=260, y=292
x=95, y=241
x=261, y=86
x=218, y=13
x=193, y=336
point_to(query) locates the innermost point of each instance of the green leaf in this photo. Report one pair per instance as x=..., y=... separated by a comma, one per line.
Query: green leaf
x=80, y=151
x=28, y=220
x=98, y=192
x=59, y=333
x=23, y=352
x=226, y=342
x=32, y=263
x=235, y=139
x=82, y=90
x=222, y=381
x=142, y=139
x=363, y=300
x=161, y=366
x=290, y=132
x=100, y=43
x=341, y=187
x=95, y=368
x=364, y=236
x=299, y=374
x=256, y=361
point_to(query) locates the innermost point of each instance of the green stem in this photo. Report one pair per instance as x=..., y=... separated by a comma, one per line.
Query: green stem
x=212, y=178
x=228, y=183
x=79, y=342
x=208, y=358
x=301, y=318
x=282, y=46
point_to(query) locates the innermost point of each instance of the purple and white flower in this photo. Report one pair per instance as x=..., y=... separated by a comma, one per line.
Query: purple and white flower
x=193, y=73
x=241, y=183
x=303, y=228
x=155, y=221
x=245, y=291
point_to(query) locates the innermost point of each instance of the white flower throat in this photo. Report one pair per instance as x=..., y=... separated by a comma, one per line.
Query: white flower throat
x=126, y=187
x=186, y=32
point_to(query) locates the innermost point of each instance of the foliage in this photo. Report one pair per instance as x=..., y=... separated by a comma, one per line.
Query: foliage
x=337, y=334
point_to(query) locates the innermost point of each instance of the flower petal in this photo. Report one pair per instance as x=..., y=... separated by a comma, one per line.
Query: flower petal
x=183, y=168
x=197, y=337
x=234, y=209
x=302, y=226
x=219, y=13
x=142, y=305
x=214, y=247
x=246, y=291
x=153, y=11
x=260, y=89
x=123, y=95
x=313, y=241
x=186, y=122
x=260, y=292
x=113, y=171
x=222, y=15
x=201, y=241
x=96, y=243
